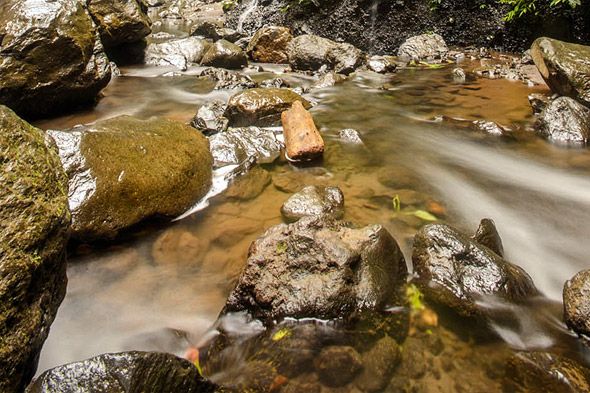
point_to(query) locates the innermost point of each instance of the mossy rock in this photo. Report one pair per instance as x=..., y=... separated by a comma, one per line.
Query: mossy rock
x=120, y=21
x=34, y=223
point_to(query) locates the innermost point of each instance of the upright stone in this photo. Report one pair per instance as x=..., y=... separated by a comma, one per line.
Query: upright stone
x=302, y=139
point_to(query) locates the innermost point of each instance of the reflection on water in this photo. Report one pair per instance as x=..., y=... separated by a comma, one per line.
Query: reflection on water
x=163, y=289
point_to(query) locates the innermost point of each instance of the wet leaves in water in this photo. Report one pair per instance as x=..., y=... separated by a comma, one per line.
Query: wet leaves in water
x=424, y=215
x=415, y=298
x=281, y=334
x=397, y=205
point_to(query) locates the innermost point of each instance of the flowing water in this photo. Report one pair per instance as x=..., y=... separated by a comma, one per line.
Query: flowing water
x=162, y=288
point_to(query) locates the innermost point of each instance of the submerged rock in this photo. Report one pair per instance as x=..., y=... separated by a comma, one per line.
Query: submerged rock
x=350, y=135
x=318, y=268
x=124, y=372
x=120, y=21
x=378, y=365
x=329, y=79
x=338, y=365
x=34, y=224
x=210, y=118
x=313, y=201
x=302, y=139
x=423, y=47
x=457, y=272
x=180, y=53
x=261, y=107
x=576, y=303
x=226, y=55
x=269, y=45
x=50, y=63
x=237, y=145
x=124, y=170
x=564, y=66
x=310, y=52
x=565, y=121
x=226, y=79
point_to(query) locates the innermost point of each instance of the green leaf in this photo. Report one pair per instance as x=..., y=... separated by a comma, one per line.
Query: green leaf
x=415, y=297
x=424, y=215
x=397, y=204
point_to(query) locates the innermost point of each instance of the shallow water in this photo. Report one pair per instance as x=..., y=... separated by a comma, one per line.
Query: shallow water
x=161, y=289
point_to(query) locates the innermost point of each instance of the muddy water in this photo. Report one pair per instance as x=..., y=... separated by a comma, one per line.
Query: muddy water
x=163, y=288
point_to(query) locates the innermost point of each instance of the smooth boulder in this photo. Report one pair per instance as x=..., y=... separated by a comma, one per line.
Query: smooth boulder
x=312, y=201
x=318, y=268
x=124, y=170
x=180, y=53
x=456, y=271
x=576, y=303
x=423, y=47
x=34, y=224
x=120, y=21
x=564, y=66
x=269, y=45
x=224, y=54
x=310, y=52
x=261, y=106
x=124, y=372
x=565, y=121
x=53, y=62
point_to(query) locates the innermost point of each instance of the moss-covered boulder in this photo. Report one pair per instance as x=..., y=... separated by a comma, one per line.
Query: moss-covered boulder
x=34, y=222
x=51, y=59
x=564, y=66
x=124, y=170
x=120, y=21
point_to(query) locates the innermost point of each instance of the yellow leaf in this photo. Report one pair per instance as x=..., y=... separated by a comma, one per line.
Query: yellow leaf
x=281, y=334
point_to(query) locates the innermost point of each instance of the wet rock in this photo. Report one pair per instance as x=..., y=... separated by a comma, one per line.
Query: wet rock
x=120, y=21
x=382, y=64
x=252, y=376
x=378, y=364
x=302, y=139
x=489, y=127
x=250, y=185
x=427, y=47
x=210, y=118
x=565, y=121
x=50, y=63
x=318, y=268
x=538, y=102
x=215, y=31
x=124, y=170
x=487, y=235
x=544, y=372
x=457, y=272
x=34, y=224
x=261, y=107
x=237, y=145
x=229, y=80
x=349, y=135
x=180, y=53
x=226, y=55
x=124, y=372
x=459, y=75
x=274, y=82
x=269, y=45
x=338, y=365
x=328, y=80
x=564, y=66
x=311, y=201
x=576, y=302
x=310, y=52
x=178, y=246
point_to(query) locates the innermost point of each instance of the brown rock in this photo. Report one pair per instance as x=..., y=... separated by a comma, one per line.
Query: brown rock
x=269, y=45
x=302, y=139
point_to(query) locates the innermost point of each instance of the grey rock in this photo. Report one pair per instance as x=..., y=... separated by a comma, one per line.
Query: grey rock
x=313, y=200
x=382, y=64
x=210, y=119
x=237, y=145
x=565, y=121
x=226, y=55
x=423, y=47
x=349, y=135
x=228, y=80
x=309, y=52
x=180, y=53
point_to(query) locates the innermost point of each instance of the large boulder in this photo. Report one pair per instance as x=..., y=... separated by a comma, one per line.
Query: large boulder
x=52, y=62
x=34, y=223
x=318, y=268
x=576, y=303
x=423, y=47
x=565, y=121
x=120, y=21
x=124, y=170
x=238, y=145
x=261, y=106
x=269, y=45
x=123, y=373
x=226, y=55
x=564, y=66
x=456, y=271
x=180, y=53
x=310, y=52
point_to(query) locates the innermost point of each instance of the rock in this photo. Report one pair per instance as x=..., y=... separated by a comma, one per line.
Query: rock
x=124, y=372
x=328, y=80
x=311, y=201
x=487, y=235
x=489, y=127
x=214, y=31
x=379, y=363
x=318, y=268
x=210, y=118
x=349, y=135
x=310, y=52
x=261, y=107
x=124, y=170
x=576, y=303
x=423, y=47
x=51, y=63
x=565, y=121
x=226, y=55
x=338, y=365
x=34, y=224
x=250, y=185
x=269, y=45
x=538, y=102
x=544, y=372
x=238, y=145
x=178, y=246
x=564, y=66
x=227, y=79
x=120, y=21
x=459, y=75
x=457, y=272
x=382, y=64
x=277, y=83
x=302, y=139
x=180, y=53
